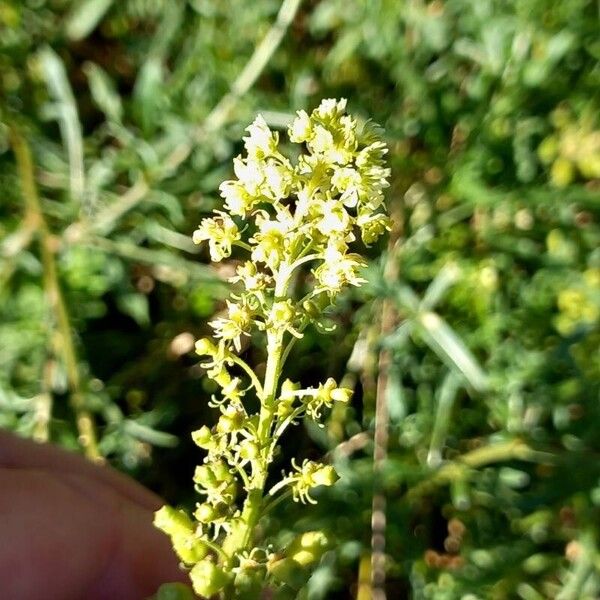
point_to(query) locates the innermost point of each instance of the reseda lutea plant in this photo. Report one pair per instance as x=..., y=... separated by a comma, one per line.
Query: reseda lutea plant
x=285, y=215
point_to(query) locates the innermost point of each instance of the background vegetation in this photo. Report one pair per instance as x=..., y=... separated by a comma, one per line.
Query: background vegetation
x=474, y=350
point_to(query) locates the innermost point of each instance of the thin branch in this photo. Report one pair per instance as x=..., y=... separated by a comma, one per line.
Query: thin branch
x=288, y=348
x=378, y=512
x=243, y=245
x=285, y=424
x=348, y=447
x=275, y=501
x=215, y=548
x=83, y=418
x=43, y=405
x=459, y=468
x=59, y=87
x=14, y=244
x=244, y=365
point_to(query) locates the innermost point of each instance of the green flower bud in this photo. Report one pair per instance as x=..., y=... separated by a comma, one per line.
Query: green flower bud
x=325, y=475
x=285, y=407
x=562, y=172
x=285, y=570
x=204, y=476
x=341, y=395
x=189, y=548
x=308, y=548
x=325, y=390
x=589, y=166
x=304, y=551
x=173, y=521
x=249, y=582
x=312, y=309
x=225, y=424
x=208, y=579
x=203, y=438
x=548, y=149
x=205, y=512
x=229, y=493
x=231, y=420
x=221, y=471
x=288, y=387
x=282, y=313
x=205, y=347
x=249, y=450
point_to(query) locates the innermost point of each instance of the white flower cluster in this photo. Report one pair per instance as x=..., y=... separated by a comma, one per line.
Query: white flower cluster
x=285, y=215
x=315, y=206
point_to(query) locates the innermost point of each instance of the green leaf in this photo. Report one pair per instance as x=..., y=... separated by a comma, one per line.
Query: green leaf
x=84, y=17
x=104, y=92
x=149, y=435
x=65, y=111
x=443, y=340
x=136, y=306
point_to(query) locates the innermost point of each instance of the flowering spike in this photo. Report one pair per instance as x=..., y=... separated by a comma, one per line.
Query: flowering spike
x=302, y=215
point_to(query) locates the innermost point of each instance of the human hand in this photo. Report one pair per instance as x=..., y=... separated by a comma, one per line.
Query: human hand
x=72, y=530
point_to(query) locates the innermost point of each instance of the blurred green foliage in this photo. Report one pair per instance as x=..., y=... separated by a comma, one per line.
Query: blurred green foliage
x=132, y=110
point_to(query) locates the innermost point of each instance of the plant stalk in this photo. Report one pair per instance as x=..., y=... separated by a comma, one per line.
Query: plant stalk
x=83, y=418
x=241, y=536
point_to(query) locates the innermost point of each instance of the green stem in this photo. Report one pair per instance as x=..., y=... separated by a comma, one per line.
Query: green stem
x=83, y=418
x=241, y=536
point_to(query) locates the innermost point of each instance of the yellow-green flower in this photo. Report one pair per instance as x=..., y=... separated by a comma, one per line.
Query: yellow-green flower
x=220, y=232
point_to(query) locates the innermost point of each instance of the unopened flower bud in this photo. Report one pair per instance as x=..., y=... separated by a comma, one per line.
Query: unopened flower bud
x=341, y=395
x=325, y=475
x=208, y=579
x=206, y=512
x=312, y=309
x=232, y=419
x=204, y=476
x=282, y=312
x=173, y=521
x=288, y=387
x=189, y=548
x=249, y=450
x=221, y=471
x=203, y=437
x=205, y=347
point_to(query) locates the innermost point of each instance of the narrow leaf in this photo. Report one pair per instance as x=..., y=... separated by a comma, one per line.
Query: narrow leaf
x=442, y=339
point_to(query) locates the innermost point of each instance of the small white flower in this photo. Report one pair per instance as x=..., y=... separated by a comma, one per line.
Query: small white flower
x=250, y=173
x=261, y=142
x=220, y=232
x=301, y=129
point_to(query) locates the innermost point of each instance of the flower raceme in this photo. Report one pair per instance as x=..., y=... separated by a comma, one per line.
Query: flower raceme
x=334, y=190
x=286, y=215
